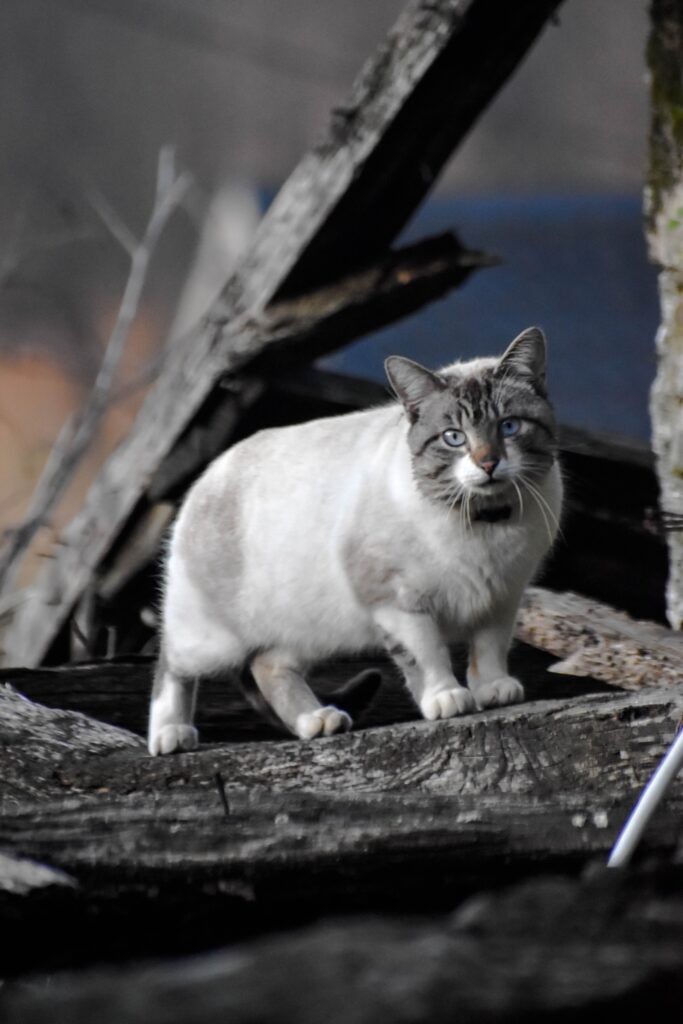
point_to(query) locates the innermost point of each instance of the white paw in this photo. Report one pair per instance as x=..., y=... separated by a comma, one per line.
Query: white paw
x=169, y=739
x=322, y=722
x=446, y=703
x=505, y=690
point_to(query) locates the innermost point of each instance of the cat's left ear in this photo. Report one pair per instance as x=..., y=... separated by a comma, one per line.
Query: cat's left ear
x=412, y=383
x=526, y=355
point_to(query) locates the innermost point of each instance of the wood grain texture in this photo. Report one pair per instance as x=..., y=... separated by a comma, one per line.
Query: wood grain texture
x=599, y=641
x=392, y=817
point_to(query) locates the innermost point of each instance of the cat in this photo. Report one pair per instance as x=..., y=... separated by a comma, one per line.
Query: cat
x=409, y=527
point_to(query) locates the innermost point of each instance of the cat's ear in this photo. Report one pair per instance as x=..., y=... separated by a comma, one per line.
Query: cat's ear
x=526, y=355
x=412, y=383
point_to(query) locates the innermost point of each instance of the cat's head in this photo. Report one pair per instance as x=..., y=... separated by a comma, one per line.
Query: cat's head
x=478, y=428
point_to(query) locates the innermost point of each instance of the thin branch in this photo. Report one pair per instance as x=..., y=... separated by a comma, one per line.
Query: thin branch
x=77, y=434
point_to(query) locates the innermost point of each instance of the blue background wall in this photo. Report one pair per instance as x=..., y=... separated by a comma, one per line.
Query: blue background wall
x=576, y=266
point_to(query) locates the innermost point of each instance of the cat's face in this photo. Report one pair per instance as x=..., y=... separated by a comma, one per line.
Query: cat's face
x=481, y=429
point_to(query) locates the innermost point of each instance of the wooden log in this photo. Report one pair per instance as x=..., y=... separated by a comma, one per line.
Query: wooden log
x=343, y=205
x=414, y=815
x=550, y=949
x=598, y=641
x=600, y=743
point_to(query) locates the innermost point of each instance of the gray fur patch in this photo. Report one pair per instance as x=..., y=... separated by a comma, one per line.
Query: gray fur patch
x=212, y=533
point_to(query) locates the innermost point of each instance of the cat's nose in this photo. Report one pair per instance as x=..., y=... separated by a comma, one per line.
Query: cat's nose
x=489, y=466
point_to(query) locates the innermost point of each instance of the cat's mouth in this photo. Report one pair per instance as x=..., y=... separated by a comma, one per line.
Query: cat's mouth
x=489, y=487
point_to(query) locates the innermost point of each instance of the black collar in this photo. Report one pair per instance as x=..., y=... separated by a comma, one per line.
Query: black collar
x=495, y=514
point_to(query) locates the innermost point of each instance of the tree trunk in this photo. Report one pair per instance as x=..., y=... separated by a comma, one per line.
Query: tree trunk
x=664, y=209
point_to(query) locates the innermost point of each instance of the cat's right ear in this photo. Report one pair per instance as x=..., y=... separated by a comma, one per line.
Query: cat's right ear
x=412, y=383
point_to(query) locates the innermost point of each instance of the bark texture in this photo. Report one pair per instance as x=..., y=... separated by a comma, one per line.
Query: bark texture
x=664, y=209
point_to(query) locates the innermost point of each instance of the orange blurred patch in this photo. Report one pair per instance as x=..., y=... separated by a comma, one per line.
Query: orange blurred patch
x=36, y=398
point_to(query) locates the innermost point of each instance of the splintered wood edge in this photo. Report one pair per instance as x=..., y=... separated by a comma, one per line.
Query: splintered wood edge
x=600, y=641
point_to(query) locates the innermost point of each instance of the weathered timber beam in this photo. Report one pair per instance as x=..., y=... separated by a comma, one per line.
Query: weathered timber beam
x=600, y=744
x=548, y=949
x=412, y=104
x=291, y=331
x=439, y=68
x=599, y=641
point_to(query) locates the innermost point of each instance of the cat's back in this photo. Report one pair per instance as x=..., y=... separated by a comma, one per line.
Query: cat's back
x=301, y=455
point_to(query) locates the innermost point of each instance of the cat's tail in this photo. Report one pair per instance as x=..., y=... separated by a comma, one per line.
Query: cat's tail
x=353, y=696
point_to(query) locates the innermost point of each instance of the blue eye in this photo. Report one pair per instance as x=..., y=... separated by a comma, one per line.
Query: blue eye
x=454, y=438
x=510, y=427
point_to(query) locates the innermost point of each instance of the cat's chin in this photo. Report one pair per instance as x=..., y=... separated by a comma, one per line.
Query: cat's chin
x=492, y=490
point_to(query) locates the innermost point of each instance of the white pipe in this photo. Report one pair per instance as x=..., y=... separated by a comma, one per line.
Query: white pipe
x=631, y=833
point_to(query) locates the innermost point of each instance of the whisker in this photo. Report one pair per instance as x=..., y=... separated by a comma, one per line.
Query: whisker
x=544, y=509
x=519, y=497
x=543, y=513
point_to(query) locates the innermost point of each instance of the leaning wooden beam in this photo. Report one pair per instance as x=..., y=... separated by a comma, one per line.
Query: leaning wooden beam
x=599, y=641
x=412, y=104
x=343, y=205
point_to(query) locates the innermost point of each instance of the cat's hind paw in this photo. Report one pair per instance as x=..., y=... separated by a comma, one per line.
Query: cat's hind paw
x=322, y=722
x=505, y=690
x=170, y=739
x=446, y=703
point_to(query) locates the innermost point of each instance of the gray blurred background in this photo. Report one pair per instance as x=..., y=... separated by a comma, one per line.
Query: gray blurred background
x=550, y=179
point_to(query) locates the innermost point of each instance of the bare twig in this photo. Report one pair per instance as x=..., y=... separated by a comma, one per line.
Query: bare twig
x=77, y=434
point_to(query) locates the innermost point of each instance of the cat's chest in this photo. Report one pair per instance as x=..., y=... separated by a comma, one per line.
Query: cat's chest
x=458, y=575
x=466, y=570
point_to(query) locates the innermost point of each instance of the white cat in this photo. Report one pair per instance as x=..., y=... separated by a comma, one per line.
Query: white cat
x=408, y=527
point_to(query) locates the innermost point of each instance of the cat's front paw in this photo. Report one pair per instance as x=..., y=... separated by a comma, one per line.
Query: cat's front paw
x=505, y=690
x=322, y=722
x=446, y=703
x=170, y=739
